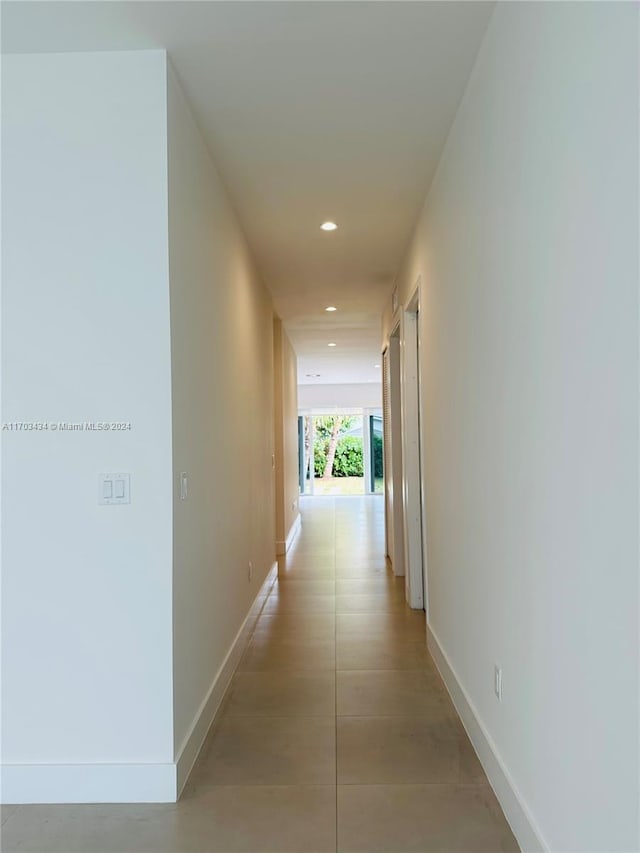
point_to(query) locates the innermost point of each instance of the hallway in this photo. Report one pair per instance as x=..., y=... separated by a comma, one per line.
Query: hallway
x=336, y=728
x=223, y=221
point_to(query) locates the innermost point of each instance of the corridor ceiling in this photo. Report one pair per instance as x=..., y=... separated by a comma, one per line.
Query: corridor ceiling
x=313, y=111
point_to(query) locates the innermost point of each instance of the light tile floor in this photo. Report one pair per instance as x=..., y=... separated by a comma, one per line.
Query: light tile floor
x=336, y=732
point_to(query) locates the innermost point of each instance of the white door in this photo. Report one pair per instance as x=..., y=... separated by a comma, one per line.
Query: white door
x=395, y=415
x=411, y=467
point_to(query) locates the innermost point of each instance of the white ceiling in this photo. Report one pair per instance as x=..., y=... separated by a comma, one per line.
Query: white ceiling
x=312, y=111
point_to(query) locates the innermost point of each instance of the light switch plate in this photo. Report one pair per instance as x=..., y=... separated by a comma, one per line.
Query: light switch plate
x=114, y=489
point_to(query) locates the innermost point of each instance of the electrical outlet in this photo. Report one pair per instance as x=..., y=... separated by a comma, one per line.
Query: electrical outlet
x=250, y=570
x=497, y=682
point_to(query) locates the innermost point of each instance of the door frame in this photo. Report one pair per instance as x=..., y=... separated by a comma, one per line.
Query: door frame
x=414, y=558
x=367, y=472
x=393, y=435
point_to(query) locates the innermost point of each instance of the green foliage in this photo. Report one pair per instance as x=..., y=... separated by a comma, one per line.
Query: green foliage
x=349, y=460
x=320, y=456
x=325, y=425
x=378, y=469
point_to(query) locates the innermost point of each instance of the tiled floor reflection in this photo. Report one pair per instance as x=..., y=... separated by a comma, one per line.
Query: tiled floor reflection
x=336, y=732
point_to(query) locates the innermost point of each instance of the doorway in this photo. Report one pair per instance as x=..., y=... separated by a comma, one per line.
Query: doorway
x=391, y=395
x=341, y=453
x=410, y=405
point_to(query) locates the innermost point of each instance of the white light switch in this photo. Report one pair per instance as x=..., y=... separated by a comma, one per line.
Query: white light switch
x=114, y=489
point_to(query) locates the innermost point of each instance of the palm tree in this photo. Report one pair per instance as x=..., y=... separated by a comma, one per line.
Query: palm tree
x=331, y=426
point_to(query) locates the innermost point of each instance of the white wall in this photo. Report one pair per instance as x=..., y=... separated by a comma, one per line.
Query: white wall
x=86, y=604
x=286, y=436
x=112, y=662
x=364, y=395
x=528, y=251
x=222, y=387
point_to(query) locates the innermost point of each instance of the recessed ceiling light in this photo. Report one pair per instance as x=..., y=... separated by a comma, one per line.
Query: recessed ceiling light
x=376, y=365
x=328, y=226
x=331, y=344
x=331, y=308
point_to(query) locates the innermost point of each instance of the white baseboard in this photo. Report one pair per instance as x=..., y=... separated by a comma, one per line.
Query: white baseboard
x=283, y=547
x=192, y=743
x=88, y=783
x=520, y=819
x=22, y=784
